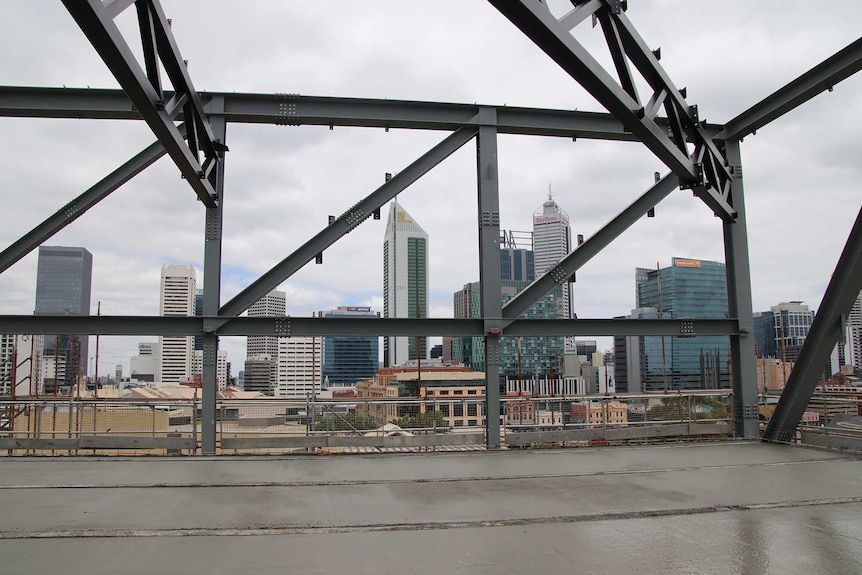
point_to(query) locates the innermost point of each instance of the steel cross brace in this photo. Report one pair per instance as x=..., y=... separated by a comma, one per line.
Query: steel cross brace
x=826, y=330
x=564, y=270
x=144, y=88
x=347, y=221
x=705, y=171
x=77, y=207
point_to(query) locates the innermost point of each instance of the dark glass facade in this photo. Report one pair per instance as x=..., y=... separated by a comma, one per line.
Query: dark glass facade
x=525, y=356
x=687, y=289
x=517, y=264
x=417, y=290
x=348, y=359
x=63, y=283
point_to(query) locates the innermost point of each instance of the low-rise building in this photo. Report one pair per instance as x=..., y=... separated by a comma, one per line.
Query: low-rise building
x=599, y=412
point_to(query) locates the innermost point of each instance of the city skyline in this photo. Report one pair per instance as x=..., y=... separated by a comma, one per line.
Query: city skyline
x=290, y=174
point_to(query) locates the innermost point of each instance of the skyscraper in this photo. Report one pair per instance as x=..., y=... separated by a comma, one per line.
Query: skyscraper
x=552, y=241
x=63, y=282
x=260, y=347
x=781, y=331
x=299, y=362
x=405, y=283
x=694, y=289
x=347, y=359
x=520, y=357
x=270, y=305
x=516, y=256
x=854, y=333
x=177, y=298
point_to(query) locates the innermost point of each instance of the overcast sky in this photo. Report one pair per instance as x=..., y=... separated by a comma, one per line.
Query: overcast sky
x=802, y=173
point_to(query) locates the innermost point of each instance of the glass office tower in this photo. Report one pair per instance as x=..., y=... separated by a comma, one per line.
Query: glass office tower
x=694, y=289
x=347, y=359
x=63, y=282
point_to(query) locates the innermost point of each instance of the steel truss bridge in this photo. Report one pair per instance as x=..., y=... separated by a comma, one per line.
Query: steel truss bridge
x=189, y=126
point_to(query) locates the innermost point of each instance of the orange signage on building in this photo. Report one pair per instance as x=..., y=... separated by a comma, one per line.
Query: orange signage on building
x=683, y=263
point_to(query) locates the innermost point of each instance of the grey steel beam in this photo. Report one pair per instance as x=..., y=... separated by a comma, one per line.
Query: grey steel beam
x=610, y=327
x=79, y=103
x=489, y=267
x=212, y=294
x=821, y=77
x=746, y=421
x=295, y=110
x=590, y=248
x=554, y=39
x=826, y=330
x=346, y=222
x=115, y=7
x=103, y=34
x=74, y=209
x=302, y=326
x=177, y=71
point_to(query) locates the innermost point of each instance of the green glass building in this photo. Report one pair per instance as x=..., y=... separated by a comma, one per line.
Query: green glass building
x=688, y=288
x=525, y=356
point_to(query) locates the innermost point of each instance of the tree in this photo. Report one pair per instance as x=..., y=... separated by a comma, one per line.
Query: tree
x=687, y=407
x=426, y=419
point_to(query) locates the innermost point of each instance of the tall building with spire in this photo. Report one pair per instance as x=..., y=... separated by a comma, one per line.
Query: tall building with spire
x=552, y=241
x=405, y=283
x=176, y=298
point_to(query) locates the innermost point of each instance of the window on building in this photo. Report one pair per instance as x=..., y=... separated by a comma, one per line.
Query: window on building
x=458, y=410
x=472, y=410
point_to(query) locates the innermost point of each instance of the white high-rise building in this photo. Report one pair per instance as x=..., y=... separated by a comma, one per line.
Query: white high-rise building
x=405, y=282
x=270, y=305
x=854, y=333
x=299, y=366
x=177, y=298
x=552, y=241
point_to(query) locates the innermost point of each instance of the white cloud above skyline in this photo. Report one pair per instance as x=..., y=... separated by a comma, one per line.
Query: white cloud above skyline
x=802, y=172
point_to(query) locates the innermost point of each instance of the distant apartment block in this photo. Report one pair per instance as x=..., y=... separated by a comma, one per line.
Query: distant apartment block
x=176, y=298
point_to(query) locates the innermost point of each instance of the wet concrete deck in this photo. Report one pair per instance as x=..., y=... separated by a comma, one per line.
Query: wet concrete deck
x=702, y=508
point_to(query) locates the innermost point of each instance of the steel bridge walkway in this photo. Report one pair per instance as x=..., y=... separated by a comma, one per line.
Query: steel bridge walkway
x=724, y=507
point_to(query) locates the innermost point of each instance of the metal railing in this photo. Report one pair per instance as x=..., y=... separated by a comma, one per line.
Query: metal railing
x=86, y=426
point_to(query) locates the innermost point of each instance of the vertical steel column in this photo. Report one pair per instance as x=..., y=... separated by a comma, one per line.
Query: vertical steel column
x=491, y=306
x=212, y=290
x=742, y=366
x=826, y=330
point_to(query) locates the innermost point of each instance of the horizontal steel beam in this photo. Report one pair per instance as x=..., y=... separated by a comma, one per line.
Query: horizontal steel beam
x=820, y=78
x=306, y=326
x=622, y=327
x=297, y=110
